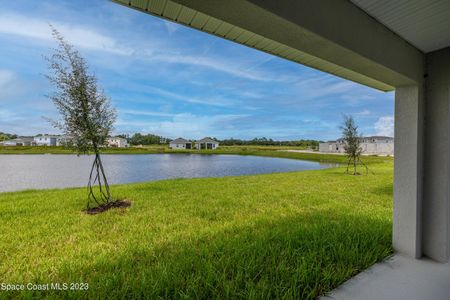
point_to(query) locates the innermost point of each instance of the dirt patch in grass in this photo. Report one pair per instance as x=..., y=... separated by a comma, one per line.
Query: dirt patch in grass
x=121, y=204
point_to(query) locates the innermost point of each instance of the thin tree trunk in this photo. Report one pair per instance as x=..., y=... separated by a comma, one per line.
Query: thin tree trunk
x=97, y=166
x=105, y=181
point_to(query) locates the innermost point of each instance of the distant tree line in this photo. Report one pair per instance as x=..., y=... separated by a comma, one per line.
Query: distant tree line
x=144, y=139
x=153, y=139
x=269, y=142
x=7, y=136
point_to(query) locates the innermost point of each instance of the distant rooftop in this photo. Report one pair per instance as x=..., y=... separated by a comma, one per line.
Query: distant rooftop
x=373, y=137
x=179, y=141
x=207, y=140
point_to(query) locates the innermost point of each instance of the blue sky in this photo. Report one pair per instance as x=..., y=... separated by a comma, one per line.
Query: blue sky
x=171, y=80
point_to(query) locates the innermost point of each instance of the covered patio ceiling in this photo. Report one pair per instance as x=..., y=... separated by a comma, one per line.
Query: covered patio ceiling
x=423, y=23
x=288, y=29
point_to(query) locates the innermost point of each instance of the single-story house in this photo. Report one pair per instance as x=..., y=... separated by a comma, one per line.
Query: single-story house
x=45, y=140
x=206, y=143
x=375, y=145
x=22, y=141
x=180, y=143
x=63, y=140
x=117, y=142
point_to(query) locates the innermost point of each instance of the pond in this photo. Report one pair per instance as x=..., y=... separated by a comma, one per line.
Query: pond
x=20, y=172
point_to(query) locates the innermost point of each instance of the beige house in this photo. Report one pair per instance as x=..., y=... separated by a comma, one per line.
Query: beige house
x=370, y=145
x=206, y=143
x=23, y=141
x=117, y=142
x=180, y=143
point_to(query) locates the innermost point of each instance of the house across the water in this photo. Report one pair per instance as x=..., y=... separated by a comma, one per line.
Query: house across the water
x=46, y=140
x=375, y=145
x=206, y=143
x=180, y=143
x=22, y=141
x=117, y=142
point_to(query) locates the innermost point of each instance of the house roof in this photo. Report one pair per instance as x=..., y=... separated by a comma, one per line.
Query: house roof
x=180, y=141
x=45, y=136
x=116, y=138
x=207, y=140
x=378, y=137
x=373, y=137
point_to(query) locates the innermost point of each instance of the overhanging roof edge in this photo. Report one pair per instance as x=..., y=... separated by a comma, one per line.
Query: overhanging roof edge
x=176, y=12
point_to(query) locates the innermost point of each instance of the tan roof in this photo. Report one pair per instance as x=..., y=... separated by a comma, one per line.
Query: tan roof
x=207, y=140
x=180, y=141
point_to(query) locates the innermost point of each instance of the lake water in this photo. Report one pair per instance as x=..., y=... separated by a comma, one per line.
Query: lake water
x=18, y=172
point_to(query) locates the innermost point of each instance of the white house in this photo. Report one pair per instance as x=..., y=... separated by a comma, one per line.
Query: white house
x=24, y=141
x=180, y=143
x=45, y=140
x=117, y=142
x=206, y=143
x=375, y=145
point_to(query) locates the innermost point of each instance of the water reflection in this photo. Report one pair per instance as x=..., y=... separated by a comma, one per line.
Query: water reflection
x=56, y=171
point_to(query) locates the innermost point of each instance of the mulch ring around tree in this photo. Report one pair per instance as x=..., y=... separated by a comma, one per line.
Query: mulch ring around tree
x=121, y=204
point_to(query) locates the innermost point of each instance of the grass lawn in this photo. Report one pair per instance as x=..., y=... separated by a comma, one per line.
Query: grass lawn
x=288, y=235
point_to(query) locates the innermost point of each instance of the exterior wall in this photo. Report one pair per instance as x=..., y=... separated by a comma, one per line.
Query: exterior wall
x=378, y=147
x=331, y=147
x=9, y=143
x=177, y=145
x=436, y=159
x=45, y=141
x=16, y=143
x=117, y=142
x=408, y=171
x=214, y=146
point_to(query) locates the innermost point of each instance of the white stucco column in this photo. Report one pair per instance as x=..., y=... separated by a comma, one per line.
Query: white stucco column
x=408, y=170
x=422, y=163
x=436, y=197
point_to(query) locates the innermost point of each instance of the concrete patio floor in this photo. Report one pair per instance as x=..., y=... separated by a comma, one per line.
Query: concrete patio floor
x=398, y=278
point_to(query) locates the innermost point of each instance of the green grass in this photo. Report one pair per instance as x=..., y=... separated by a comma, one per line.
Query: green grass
x=290, y=235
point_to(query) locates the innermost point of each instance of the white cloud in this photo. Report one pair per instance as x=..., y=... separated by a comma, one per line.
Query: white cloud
x=362, y=113
x=8, y=116
x=145, y=113
x=15, y=24
x=385, y=126
x=324, y=85
x=5, y=78
x=8, y=85
x=171, y=27
x=89, y=38
x=217, y=64
x=357, y=97
x=184, y=124
x=214, y=101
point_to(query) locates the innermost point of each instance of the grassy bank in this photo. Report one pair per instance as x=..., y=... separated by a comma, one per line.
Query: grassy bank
x=151, y=149
x=289, y=235
x=273, y=151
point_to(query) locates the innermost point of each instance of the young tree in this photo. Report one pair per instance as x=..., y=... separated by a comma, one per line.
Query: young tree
x=86, y=115
x=351, y=139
